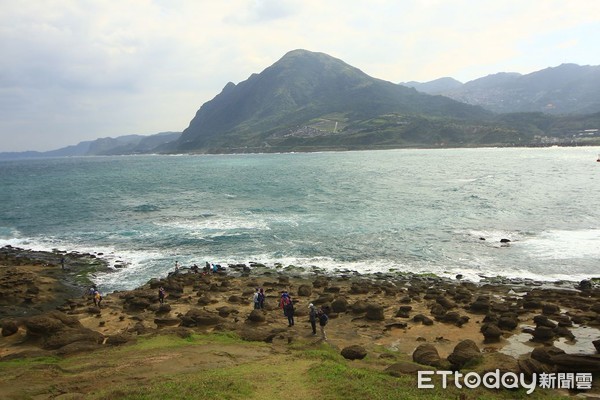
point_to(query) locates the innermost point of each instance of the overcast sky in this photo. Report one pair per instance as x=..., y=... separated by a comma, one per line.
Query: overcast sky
x=79, y=70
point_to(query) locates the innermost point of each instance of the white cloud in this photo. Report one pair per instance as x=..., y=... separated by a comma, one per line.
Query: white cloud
x=78, y=70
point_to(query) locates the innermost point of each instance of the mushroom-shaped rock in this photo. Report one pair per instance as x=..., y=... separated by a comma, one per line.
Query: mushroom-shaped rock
x=464, y=352
x=426, y=354
x=257, y=316
x=354, y=352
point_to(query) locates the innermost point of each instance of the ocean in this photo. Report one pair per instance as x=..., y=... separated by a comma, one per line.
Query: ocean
x=421, y=211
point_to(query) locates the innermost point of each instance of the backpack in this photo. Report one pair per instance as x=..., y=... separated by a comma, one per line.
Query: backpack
x=323, y=319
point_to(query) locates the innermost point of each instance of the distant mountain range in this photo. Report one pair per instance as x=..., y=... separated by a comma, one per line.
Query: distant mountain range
x=311, y=101
x=129, y=144
x=566, y=89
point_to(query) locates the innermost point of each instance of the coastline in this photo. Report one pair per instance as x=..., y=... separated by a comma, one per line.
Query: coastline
x=382, y=313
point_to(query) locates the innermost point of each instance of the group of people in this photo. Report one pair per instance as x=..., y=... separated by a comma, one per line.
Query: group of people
x=96, y=296
x=315, y=315
x=208, y=268
x=259, y=299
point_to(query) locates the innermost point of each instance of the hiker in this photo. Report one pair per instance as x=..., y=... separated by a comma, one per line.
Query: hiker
x=207, y=268
x=323, y=319
x=215, y=268
x=256, y=299
x=176, y=266
x=161, y=295
x=97, y=298
x=312, y=315
x=261, y=299
x=288, y=307
x=62, y=263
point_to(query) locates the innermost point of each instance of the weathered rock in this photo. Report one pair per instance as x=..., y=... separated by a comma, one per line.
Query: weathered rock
x=162, y=322
x=404, y=312
x=354, y=352
x=481, y=305
x=9, y=327
x=339, y=305
x=118, y=339
x=67, y=336
x=490, y=362
x=596, y=344
x=463, y=353
x=542, y=320
x=427, y=354
x=163, y=309
x=253, y=334
x=398, y=325
x=375, y=312
x=425, y=320
x=491, y=332
x=203, y=317
x=304, y=290
x=550, y=309
x=444, y=302
x=544, y=354
x=257, y=316
x=530, y=366
x=508, y=323
x=543, y=334
x=78, y=347
x=405, y=368
x=359, y=307
x=576, y=363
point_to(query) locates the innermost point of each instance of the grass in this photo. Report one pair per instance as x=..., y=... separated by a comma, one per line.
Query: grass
x=239, y=370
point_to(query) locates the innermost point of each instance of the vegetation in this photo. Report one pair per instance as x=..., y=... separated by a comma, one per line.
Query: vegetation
x=162, y=367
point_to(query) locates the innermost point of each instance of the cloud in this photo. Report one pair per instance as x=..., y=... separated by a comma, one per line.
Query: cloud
x=77, y=70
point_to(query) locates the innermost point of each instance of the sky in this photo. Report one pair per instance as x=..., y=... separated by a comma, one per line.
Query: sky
x=72, y=71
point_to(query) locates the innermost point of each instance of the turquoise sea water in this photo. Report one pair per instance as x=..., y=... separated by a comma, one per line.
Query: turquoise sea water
x=410, y=210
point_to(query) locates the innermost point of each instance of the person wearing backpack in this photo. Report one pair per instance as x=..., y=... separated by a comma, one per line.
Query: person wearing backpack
x=261, y=299
x=312, y=316
x=256, y=299
x=323, y=319
x=288, y=307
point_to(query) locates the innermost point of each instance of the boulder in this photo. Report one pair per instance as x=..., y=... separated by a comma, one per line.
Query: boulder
x=375, y=312
x=426, y=354
x=404, y=312
x=543, y=334
x=530, y=366
x=257, y=316
x=339, y=305
x=444, y=302
x=542, y=320
x=162, y=322
x=203, y=317
x=253, y=334
x=9, y=327
x=550, y=309
x=596, y=344
x=463, y=353
x=544, y=354
x=491, y=332
x=508, y=323
x=576, y=363
x=359, y=307
x=118, y=339
x=423, y=319
x=163, y=309
x=304, y=290
x=405, y=368
x=70, y=335
x=354, y=352
x=481, y=305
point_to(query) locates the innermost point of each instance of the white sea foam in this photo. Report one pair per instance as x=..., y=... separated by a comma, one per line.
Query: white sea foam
x=564, y=244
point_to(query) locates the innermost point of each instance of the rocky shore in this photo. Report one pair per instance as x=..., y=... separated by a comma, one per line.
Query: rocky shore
x=410, y=322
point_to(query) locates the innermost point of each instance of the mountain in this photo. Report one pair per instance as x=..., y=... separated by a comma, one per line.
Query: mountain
x=434, y=87
x=566, y=89
x=129, y=144
x=310, y=100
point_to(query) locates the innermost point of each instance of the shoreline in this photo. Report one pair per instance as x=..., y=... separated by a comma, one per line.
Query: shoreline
x=387, y=315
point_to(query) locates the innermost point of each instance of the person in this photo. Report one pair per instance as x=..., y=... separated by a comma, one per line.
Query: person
x=161, y=295
x=176, y=266
x=215, y=268
x=194, y=268
x=97, y=298
x=312, y=315
x=288, y=307
x=261, y=299
x=323, y=319
x=62, y=263
x=256, y=299
x=207, y=268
